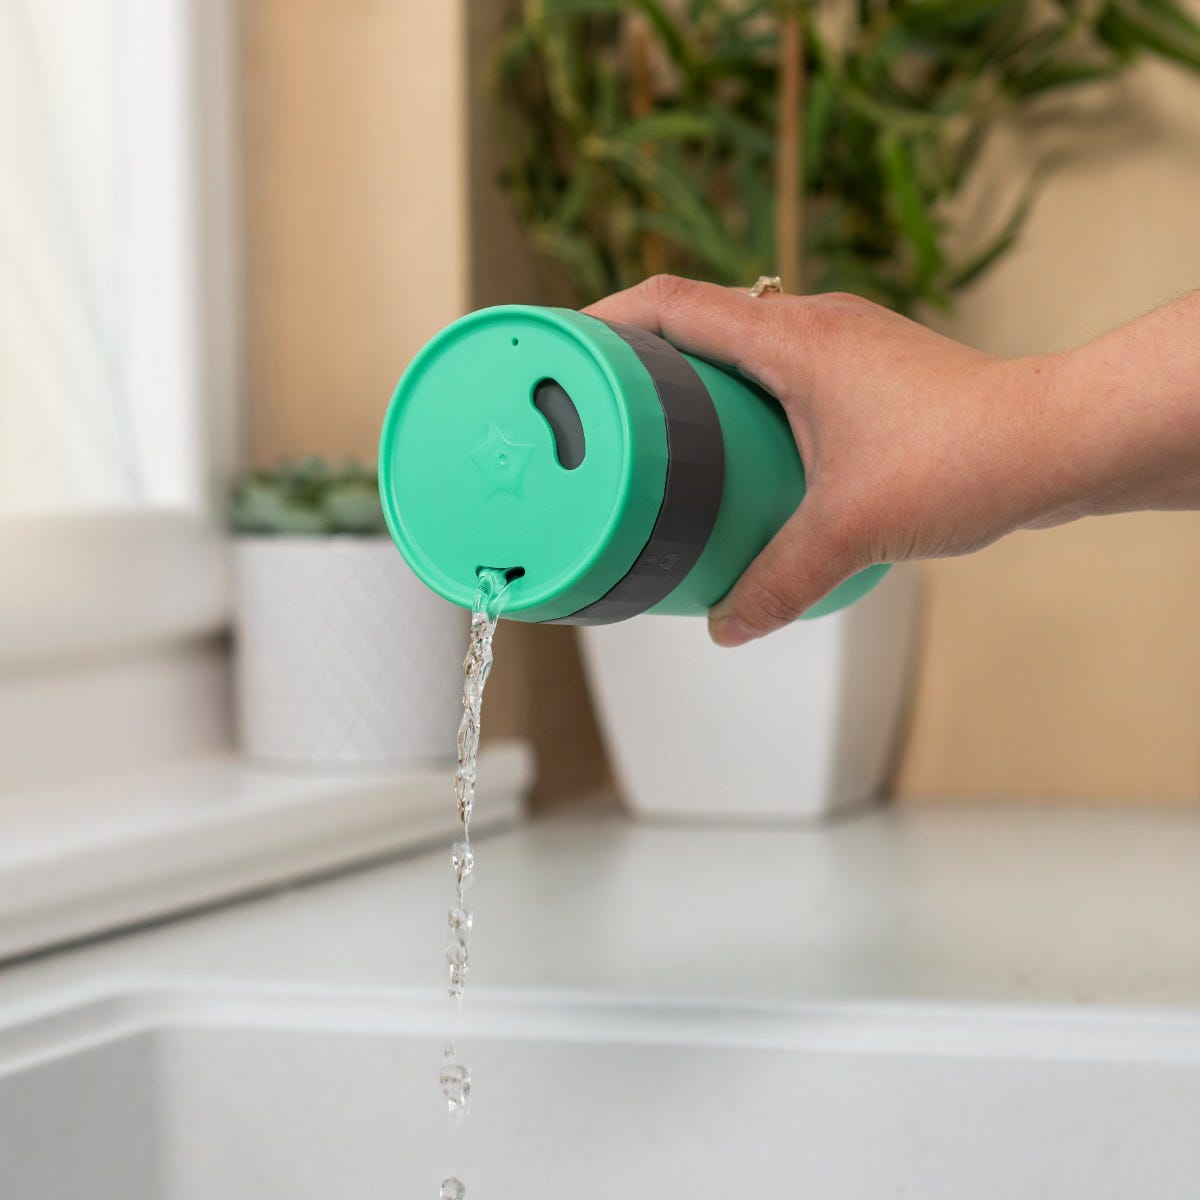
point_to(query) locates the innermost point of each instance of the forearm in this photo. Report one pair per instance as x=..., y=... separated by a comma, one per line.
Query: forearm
x=1126, y=408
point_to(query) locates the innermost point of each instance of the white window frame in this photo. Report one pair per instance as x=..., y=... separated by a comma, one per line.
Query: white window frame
x=121, y=799
x=111, y=618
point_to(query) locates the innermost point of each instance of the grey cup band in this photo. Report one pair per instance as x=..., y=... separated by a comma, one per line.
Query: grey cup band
x=692, y=489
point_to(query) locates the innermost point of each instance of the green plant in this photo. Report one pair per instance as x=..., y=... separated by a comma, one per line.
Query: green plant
x=730, y=138
x=307, y=497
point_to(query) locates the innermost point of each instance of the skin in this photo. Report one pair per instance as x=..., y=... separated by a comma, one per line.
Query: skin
x=916, y=446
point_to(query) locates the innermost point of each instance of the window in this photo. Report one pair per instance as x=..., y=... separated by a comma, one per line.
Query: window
x=120, y=363
x=100, y=296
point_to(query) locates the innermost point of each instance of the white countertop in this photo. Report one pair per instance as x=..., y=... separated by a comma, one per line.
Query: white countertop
x=1004, y=905
x=97, y=855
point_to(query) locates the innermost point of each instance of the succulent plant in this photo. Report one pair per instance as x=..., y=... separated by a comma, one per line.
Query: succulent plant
x=308, y=497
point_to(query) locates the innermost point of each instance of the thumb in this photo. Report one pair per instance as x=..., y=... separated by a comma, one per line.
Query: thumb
x=802, y=563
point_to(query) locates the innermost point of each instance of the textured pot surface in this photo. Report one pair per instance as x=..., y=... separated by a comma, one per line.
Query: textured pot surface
x=793, y=726
x=343, y=656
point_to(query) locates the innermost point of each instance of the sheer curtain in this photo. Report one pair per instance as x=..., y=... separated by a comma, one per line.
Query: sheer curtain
x=99, y=304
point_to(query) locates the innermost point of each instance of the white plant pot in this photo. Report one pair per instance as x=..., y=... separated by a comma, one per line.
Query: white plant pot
x=344, y=658
x=796, y=725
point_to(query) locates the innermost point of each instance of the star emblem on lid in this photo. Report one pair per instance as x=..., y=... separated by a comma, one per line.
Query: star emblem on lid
x=501, y=463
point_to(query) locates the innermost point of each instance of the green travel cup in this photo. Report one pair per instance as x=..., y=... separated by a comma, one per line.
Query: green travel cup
x=608, y=471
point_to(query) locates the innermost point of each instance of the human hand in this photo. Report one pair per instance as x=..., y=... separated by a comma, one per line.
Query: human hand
x=914, y=445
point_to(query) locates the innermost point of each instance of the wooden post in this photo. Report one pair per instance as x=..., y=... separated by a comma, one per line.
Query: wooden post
x=641, y=103
x=789, y=154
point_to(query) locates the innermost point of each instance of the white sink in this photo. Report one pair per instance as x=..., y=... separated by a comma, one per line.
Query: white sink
x=178, y=1094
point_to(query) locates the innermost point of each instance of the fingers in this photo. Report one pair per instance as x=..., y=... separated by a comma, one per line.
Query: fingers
x=802, y=563
x=717, y=323
x=804, y=560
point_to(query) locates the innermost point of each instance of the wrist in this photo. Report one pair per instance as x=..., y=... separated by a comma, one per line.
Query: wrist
x=1131, y=402
x=1114, y=425
x=1055, y=451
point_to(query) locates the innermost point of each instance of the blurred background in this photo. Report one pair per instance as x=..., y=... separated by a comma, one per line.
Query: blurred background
x=228, y=227
x=1056, y=664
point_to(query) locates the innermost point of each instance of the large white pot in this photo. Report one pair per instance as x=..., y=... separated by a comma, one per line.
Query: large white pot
x=344, y=658
x=793, y=726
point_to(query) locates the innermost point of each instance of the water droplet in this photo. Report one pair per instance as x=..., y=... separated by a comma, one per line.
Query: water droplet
x=455, y=1081
x=452, y=1189
x=456, y=952
x=460, y=919
x=455, y=988
x=464, y=786
x=463, y=862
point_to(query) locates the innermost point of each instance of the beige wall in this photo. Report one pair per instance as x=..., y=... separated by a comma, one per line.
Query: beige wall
x=1055, y=664
x=1067, y=662
x=356, y=209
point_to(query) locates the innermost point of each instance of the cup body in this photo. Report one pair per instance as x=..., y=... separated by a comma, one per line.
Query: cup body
x=608, y=472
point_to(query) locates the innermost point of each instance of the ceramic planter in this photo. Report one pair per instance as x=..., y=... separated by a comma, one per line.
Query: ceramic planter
x=343, y=657
x=796, y=725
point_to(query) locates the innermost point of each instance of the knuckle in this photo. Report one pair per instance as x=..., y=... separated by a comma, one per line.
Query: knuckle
x=844, y=300
x=819, y=321
x=828, y=315
x=765, y=604
x=669, y=290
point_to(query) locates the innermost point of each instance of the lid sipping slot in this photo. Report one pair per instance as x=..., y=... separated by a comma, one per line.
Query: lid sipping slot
x=550, y=398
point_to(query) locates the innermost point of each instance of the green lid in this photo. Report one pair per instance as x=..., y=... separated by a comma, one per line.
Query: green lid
x=469, y=470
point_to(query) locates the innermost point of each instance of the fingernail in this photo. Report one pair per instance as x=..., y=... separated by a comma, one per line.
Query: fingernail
x=728, y=631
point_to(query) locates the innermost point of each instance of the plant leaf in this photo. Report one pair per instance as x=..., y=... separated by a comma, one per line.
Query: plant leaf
x=575, y=197
x=1129, y=31
x=674, y=192
x=668, y=126
x=818, y=114
x=743, y=133
x=977, y=264
x=670, y=33
x=1171, y=14
x=577, y=254
x=966, y=153
x=945, y=18
x=353, y=507
x=1053, y=73
x=908, y=205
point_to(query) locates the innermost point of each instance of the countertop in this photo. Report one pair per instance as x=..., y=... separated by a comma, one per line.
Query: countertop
x=1004, y=904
